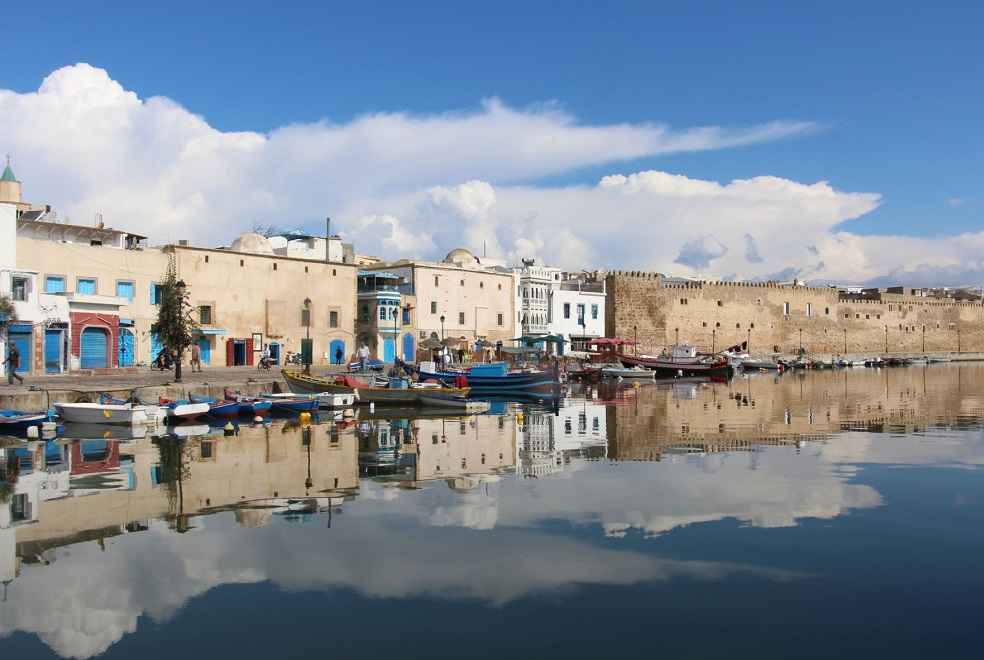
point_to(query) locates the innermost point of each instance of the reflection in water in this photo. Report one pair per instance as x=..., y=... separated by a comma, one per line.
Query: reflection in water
x=95, y=534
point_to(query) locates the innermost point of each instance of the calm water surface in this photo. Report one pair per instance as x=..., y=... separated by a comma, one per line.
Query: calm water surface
x=813, y=515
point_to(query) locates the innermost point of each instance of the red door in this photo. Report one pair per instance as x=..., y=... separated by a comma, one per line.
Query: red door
x=230, y=353
x=249, y=352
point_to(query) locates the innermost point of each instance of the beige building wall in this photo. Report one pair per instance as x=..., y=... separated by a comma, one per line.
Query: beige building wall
x=262, y=296
x=715, y=315
x=464, y=446
x=108, y=266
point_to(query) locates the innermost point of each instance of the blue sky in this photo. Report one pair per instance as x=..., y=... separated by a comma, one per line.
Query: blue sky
x=893, y=88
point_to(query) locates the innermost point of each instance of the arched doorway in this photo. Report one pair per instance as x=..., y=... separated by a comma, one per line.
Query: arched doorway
x=95, y=348
x=408, y=352
x=333, y=349
x=126, y=348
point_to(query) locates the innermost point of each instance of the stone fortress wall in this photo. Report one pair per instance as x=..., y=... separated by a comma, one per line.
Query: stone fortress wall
x=774, y=317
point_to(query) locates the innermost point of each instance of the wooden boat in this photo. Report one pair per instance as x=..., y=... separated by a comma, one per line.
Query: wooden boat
x=753, y=364
x=292, y=403
x=103, y=413
x=494, y=378
x=15, y=421
x=668, y=367
x=224, y=409
x=182, y=411
x=303, y=384
x=254, y=406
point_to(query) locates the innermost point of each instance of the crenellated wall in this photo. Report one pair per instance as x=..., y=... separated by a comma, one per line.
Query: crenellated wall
x=772, y=317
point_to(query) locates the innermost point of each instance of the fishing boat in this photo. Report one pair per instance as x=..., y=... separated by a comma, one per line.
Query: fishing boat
x=336, y=400
x=292, y=403
x=668, y=367
x=495, y=378
x=254, y=406
x=103, y=413
x=15, y=421
x=753, y=364
x=182, y=411
x=397, y=392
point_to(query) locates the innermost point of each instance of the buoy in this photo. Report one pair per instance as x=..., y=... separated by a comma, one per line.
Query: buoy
x=32, y=432
x=229, y=429
x=257, y=420
x=305, y=418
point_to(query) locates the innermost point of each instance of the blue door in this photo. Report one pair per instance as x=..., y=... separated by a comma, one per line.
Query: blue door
x=20, y=335
x=94, y=353
x=333, y=348
x=52, y=351
x=126, y=348
x=155, y=347
x=408, y=353
x=204, y=350
x=275, y=352
x=389, y=349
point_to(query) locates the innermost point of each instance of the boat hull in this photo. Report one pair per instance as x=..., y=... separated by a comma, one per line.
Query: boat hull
x=98, y=413
x=673, y=369
x=379, y=395
x=14, y=421
x=522, y=382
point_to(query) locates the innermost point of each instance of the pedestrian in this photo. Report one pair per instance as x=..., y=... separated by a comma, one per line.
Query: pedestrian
x=196, y=358
x=339, y=354
x=13, y=362
x=363, y=357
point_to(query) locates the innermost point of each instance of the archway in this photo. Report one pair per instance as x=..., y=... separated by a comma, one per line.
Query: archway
x=95, y=348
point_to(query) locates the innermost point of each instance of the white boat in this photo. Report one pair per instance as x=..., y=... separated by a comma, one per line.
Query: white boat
x=183, y=411
x=102, y=413
x=627, y=372
x=333, y=400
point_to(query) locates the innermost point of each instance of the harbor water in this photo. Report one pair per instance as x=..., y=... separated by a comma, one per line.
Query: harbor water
x=813, y=514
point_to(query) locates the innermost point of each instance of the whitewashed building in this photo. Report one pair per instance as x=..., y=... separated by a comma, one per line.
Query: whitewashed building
x=550, y=301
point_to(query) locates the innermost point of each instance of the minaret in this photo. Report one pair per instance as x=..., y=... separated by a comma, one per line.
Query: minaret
x=10, y=187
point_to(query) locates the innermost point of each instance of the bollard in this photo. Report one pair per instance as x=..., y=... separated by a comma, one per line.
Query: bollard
x=32, y=432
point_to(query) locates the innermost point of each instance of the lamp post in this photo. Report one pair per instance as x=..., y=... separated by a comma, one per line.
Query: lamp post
x=714, y=332
x=180, y=287
x=442, y=328
x=845, y=341
x=924, y=338
x=307, y=335
x=886, y=338
x=801, y=341
x=748, y=342
x=635, y=340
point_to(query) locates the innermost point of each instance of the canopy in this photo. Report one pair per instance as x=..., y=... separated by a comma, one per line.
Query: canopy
x=519, y=350
x=530, y=339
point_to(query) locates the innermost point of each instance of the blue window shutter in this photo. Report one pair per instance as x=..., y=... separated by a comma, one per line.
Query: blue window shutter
x=125, y=290
x=54, y=284
x=86, y=286
x=153, y=293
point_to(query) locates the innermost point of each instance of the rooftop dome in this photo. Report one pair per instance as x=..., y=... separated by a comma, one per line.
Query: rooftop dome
x=460, y=256
x=253, y=243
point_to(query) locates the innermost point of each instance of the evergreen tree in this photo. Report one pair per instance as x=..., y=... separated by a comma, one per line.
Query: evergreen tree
x=174, y=325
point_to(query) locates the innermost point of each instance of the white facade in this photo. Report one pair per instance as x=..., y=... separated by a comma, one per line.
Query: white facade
x=533, y=296
x=309, y=247
x=578, y=312
x=550, y=443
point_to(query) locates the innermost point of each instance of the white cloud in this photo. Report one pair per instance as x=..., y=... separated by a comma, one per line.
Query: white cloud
x=399, y=184
x=955, y=201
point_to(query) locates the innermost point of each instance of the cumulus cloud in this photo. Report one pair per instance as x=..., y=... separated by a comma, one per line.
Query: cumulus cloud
x=399, y=184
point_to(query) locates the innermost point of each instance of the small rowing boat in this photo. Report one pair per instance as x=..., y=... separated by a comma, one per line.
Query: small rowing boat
x=103, y=413
x=15, y=421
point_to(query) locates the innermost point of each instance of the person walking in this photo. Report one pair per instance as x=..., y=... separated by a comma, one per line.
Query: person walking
x=12, y=362
x=363, y=357
x=196, y=358
x=339, y=354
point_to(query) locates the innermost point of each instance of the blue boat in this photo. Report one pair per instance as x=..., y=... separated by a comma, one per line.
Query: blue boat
x=15, y=421
x=233, y=407
x=495, y=378
x=290, y=403
x=248, y=406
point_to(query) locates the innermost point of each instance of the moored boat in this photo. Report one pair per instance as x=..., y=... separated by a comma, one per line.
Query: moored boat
x=495, y=378
x=668, y=367
x=410, y=396
x=292, y=403
x=15, y=421
x=456, y=404
x=627, y=372
x=103, y=413
x=182, y=411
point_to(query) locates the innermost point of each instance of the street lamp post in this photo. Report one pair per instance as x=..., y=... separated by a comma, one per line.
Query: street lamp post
x=801, y=341
x=845, y=341
x=442, y=328
x=307, y=335
x=713, y=340
x=748, y=342
x=635, y=339
x=924, y=338
x=180, y=287
x=886, y=339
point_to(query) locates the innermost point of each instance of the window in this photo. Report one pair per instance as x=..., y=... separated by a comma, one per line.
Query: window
x=437, y=280
x=365, y=313
x=406, y=315
x=86, y=285
x=156, y=293
x=462, y=283
x=785, y=309
x=826, y=311
x=382, y=313
x=242, y=263
x=720, y=304
x=481, y=285
x=500, y=287
x=305, y=318
x=206, y=258
x=205, y=450
x=498, y=319
x=567, y=310
x=594, y=312
x=54, y=284
x=126, y=290
x=18, y=288
x=580, y=314
x=809, y=309
x=205, y=314
x=333, y=319
x=433, y=307
x=461, y=318
x=275, y=266
x=334, y=272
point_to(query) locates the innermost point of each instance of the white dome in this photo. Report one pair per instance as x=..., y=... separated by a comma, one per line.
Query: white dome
x=253, y=243
x=460, y=256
